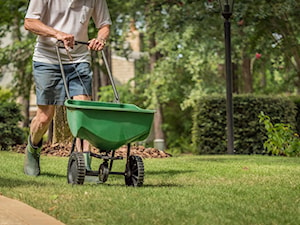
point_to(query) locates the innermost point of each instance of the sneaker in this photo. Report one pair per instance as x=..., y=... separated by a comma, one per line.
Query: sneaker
x=32, y=159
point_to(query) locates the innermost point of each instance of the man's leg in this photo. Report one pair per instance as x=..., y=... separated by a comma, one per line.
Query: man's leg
x=38, y=128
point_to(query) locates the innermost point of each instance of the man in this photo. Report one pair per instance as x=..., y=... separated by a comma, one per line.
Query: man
x=66, y=21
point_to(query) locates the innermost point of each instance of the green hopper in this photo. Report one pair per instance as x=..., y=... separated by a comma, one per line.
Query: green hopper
x=108, y=126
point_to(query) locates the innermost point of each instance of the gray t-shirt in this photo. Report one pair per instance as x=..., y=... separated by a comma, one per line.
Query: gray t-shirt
x=69, y=16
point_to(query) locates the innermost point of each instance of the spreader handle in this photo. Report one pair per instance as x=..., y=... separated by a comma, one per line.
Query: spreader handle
x=81, y=42
x=117, y=98
x=60, y=43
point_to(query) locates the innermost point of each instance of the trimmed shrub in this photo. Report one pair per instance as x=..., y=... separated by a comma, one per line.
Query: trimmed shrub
x=10, y=133
x=209, y=122
x=296, y=100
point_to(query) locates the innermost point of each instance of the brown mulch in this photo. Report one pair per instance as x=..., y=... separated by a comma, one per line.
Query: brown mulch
x=63, y=150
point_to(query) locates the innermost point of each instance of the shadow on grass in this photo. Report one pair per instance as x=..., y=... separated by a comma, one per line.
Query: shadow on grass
x=266, y=159
x=163, y=185
x=11, y=182
x=93, y=181
x=168, y=172
x=217, y=159
x=53, y=175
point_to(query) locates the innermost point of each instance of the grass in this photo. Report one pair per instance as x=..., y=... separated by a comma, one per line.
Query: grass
x=178, y=190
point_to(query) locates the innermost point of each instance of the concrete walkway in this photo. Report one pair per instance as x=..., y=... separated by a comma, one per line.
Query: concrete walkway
x=13, y=212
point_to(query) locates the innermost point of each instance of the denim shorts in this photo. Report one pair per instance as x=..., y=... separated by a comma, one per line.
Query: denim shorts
x=50, y=89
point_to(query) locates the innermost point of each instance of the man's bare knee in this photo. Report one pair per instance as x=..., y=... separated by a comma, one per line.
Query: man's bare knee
x=82, y=97
x=45, y=114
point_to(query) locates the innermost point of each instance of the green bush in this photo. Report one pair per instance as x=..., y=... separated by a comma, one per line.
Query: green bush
x=209, y=122
x=10, y=133
x=5, y=95
x=177, y=127
x=282, y=140
x=296, y=100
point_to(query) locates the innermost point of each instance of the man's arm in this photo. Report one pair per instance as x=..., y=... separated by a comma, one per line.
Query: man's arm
x=37, y=27
x=98, y=43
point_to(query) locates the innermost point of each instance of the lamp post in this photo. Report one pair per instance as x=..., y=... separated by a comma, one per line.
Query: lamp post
x=226, y=7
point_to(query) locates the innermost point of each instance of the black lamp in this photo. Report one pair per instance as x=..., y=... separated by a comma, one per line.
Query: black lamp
x=226, y=7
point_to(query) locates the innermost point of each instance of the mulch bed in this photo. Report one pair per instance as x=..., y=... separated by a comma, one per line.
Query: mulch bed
x=63, y=150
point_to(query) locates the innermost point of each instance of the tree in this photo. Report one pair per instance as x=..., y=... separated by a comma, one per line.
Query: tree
x=271, y=30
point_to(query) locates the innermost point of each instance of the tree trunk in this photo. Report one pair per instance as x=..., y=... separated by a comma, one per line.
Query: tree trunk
x=297, y=66
x=247, y=75
x=50, y=132
x=159, y=136
x=235, y=79
x=158, y=119
x=247, y=83
x=61, y=131
x=25, y=111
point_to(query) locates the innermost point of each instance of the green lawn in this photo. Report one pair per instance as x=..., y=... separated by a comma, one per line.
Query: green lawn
x=178, y=190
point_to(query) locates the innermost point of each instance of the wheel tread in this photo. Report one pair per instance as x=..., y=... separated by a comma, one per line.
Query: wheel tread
x=78, y=158
x=134, y=174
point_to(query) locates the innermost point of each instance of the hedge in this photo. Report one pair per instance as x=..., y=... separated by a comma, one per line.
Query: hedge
x=10, y=133
x=209, y=122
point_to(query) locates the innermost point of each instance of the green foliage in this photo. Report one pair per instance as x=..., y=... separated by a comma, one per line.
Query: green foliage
x=16, y=54
x=177, y=127
x=282, y=140
x=271, y=29
x=5, y=95
x=209, y=122
x=10, y=133
x=190, y=43
x=12, y=13
x=126, y=92
x=19, y=56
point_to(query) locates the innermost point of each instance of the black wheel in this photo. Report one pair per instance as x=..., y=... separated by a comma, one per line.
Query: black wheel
x=103, y=172
x=134, y=173
x=76, y=168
